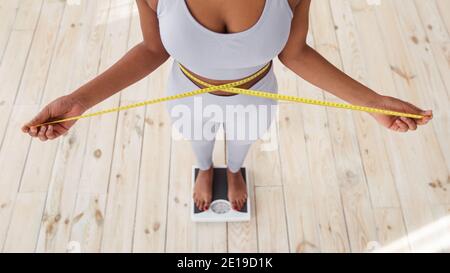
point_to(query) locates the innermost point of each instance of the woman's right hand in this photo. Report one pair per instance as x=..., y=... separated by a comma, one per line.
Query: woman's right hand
x=63, y=107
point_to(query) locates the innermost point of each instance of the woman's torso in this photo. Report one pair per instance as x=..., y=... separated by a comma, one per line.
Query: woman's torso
x=222, y=57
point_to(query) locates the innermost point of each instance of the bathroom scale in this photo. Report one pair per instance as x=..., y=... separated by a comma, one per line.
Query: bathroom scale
x=220, y=209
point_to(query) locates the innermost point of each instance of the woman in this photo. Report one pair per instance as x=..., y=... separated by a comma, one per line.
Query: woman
x=219, y=42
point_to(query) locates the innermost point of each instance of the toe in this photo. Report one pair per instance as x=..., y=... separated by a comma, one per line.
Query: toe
x=235, y=205
x=207, y=204
x=241, y=204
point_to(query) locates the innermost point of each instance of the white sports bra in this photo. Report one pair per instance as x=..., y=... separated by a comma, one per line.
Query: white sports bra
x=223, y=56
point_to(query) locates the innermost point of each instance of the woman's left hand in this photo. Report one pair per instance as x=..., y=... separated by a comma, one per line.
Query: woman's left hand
x=395, y=123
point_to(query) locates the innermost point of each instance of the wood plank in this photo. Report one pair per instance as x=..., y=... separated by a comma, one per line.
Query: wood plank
x=34, y=81
x=243, y=237
x=443, y=6
x=102, y=129
x=42, y=48
x=430, y=46
x=26, y=219
x=16, y=54
x=88, y=216
x=408, y=174
x=434, y=236
x=419, y=62
x=440, y=213
x=392, y=235
x=124, y=177
x=346, y=149
x=382, y=190
x=13, y=155
x=151, y=210
x=327, y=201
x=426, y=14
x=181, y=231
x=62, y=172
x=87, y=222
x=297, y=183
x=264, y=161
x=68, y=48
x=271, y=221
x=301, y=219
x=8, y=12
x=27, y=15
x=17, y=50
x=326, y=192
x=379, y=77
x=437, y=31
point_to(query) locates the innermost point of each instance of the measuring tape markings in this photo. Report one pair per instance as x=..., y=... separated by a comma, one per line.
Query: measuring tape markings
x=231, y=87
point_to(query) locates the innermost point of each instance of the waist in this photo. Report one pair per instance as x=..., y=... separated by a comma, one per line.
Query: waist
x=247, y=85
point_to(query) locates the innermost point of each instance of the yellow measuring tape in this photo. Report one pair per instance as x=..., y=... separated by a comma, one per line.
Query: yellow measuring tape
x=231, y=87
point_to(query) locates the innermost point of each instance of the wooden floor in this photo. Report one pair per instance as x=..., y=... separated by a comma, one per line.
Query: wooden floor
x=331, y=180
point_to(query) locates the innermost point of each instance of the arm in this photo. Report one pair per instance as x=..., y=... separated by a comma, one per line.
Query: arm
x=311, y=66
x=136, y=64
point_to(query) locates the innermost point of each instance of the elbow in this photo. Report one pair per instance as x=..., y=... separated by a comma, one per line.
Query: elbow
x=285, y=57
x=291, y=57
x=155, y=50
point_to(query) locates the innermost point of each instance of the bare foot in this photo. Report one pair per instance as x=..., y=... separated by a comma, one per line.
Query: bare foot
x=237, y=189
x=203, y=189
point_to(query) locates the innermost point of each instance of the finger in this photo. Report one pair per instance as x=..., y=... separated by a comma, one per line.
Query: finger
x=41, y=134
x=25, y=129
x=394, y=126
x=428, y=115
x=411, y=123
x=50, y=134
x=34, y=131
x=403, y=127
x=59, y=130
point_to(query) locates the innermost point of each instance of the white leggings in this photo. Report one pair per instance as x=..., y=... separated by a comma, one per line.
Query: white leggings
x=244, y=118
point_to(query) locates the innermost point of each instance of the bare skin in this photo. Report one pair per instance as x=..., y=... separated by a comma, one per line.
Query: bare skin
x=203, y=189
x=223, y=16
x=237, y=189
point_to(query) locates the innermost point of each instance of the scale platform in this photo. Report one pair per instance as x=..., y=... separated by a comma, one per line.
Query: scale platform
x=220, y=209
